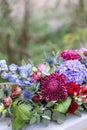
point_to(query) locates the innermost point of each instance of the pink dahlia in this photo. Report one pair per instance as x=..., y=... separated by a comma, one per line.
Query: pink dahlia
x=70, y=55
x=53, y=87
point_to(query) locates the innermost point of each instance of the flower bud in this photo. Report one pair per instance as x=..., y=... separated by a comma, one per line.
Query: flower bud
x=7, y=101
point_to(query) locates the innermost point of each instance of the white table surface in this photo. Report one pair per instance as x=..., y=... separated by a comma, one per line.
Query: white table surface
x=72, y=123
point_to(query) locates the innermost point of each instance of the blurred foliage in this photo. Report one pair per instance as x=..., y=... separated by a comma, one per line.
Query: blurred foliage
x=30, y=39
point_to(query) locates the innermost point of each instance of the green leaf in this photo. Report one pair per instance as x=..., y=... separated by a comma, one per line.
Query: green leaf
x=23, y=62
x=50, y=104
x=46, y=117
x=22, y=112
x=37, y=86
x=45, y=121
x=85, y=105
x=55, y=115
x=33, y=120
x=38, y=119
x=17, y=124
x=77, y=112
x=59, y=117
x=81, y=54
x=63, y=105
x=47, y=67
x=81, y=108
x=47, y=113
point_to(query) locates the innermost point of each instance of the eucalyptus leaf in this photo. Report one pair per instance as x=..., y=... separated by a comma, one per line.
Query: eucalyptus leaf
x=63, y=105
x=50, y=104
x=85, y=105
x=46, y=117
x=47, y=113
x=55, y=115
x=33, y=120
x=38, y=119
x=45, y=121
x=59, y=117
x=77, y=113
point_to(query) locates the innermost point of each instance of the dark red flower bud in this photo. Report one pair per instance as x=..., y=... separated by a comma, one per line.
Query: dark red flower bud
x=7, y=101
x=85, y=53
x=37, y=97
x=16, y=91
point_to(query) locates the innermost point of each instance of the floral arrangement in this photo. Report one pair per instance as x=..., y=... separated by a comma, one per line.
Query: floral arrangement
x=46, y=92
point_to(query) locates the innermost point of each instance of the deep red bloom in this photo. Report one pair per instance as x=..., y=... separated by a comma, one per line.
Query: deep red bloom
x=38, y=97
x=53, y=87
x=73, y=88
x=73, y=107
x=16, y=91
x=70, y=55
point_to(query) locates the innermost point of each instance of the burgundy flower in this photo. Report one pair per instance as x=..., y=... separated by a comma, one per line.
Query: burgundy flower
x=70, y=55
x=53, y=87
x=73, y=107
x=73, y=88
x=38, y=97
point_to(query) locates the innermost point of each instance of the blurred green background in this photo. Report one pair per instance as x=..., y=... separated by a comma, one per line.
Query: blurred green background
x=33, y=29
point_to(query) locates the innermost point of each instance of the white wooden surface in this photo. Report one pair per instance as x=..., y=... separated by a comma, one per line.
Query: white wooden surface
x=72, y=123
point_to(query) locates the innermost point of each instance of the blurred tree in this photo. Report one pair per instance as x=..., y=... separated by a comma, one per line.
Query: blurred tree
x=15, y=41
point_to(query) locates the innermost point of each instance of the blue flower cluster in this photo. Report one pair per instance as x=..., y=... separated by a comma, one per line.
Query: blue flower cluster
x=16, y=74
x=74, y=71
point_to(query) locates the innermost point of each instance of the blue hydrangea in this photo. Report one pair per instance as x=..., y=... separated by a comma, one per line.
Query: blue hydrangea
x=73, y=70
x=12, y=77
x=4, y=75
x=27, y=82
x=13, y=67
x=18, y=81
x=23, y=71
x=26, y=95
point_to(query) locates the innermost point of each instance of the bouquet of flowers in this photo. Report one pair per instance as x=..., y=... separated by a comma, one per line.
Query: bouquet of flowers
x=46, y=92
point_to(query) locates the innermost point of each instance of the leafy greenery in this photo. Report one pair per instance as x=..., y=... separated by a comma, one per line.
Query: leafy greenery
x=63, y=105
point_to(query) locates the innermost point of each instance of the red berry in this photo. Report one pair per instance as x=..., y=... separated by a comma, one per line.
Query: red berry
x=7, y=101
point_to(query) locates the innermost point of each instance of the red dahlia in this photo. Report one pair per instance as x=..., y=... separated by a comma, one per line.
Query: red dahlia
x=53, y=87
x=70, y=55
x=73, y=107
x=73, y=88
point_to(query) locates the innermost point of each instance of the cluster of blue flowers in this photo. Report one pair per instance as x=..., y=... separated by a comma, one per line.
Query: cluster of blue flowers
x=16, y=74
x=74, y=71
